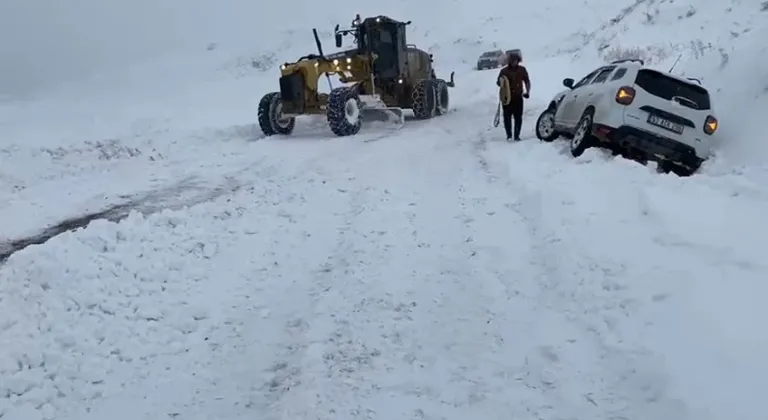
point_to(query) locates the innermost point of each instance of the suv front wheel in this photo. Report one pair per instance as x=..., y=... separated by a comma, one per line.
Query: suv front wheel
x=545, y=125
x=582, y=137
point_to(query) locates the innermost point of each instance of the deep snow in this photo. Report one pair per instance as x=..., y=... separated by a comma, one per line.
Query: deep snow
x=429, y=272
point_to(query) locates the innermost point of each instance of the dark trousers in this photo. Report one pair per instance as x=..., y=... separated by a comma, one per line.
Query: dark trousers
x=513, y=110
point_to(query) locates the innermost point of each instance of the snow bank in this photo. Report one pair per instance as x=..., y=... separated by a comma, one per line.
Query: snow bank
x=742, y=94
x=688, y=265
x=132, y=292
x=92, y=312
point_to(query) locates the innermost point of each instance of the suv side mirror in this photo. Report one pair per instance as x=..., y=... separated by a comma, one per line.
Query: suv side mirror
x=568, y=83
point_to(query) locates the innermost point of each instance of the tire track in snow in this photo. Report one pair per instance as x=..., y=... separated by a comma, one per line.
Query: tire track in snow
x=585, y=294
x=331, y=348
x=551, y=363
x=327, y=354
x=294, y=316
x=411, y=308
x=425, y=306
x=362, y=334
x=253, y=359
x=186, y=192
x=181, y=194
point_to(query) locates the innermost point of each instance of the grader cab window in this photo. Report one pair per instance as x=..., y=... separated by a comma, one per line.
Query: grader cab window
x=383, y=40
x=419, y=64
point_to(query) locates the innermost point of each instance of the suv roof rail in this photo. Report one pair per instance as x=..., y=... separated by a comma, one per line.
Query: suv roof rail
x=693, y=79
x=637, y=60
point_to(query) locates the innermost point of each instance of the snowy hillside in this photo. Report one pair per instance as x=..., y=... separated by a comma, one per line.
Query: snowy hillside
x=160, y=259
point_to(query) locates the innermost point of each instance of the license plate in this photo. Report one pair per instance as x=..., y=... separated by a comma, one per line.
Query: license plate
x=666, y=124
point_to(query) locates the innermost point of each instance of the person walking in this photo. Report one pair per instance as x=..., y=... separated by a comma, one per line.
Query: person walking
x=517, y=76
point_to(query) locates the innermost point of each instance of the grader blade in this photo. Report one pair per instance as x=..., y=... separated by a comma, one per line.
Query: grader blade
x=374, y=109
x=386, y=115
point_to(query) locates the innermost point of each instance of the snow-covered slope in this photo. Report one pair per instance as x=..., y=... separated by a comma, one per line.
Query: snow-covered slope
x=432, y=272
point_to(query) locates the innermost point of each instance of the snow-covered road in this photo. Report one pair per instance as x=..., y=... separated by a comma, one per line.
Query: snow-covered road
x=437, y=273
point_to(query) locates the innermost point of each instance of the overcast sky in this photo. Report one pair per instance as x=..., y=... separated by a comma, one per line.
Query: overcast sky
x=44, y=42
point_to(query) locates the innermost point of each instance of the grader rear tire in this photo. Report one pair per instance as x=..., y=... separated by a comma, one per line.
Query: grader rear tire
x=424, y=99
x=442, y=96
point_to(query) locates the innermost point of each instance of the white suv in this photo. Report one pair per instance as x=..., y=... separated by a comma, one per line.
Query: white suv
x=643, y=113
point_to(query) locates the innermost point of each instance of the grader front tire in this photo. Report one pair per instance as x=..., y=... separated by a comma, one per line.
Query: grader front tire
x=270, y=116
x=343, y=112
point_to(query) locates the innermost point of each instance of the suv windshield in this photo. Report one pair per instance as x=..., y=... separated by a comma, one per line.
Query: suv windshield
x=663, y=86
x=489, y=54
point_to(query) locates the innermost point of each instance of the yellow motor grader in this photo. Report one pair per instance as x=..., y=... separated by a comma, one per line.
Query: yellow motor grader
x=380, y=76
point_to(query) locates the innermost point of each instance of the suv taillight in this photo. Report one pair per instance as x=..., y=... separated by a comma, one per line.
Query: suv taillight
x=625, y=95
x=710, y=125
